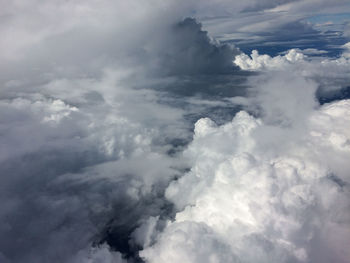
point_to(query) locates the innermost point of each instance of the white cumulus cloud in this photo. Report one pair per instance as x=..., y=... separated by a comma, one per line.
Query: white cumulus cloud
x=259, y=206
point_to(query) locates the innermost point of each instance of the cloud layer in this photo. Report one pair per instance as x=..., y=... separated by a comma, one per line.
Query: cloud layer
x=100, y=160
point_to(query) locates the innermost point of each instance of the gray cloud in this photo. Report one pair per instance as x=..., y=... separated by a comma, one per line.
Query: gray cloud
x=98, y=101
x=194, y=52
x=85, y=130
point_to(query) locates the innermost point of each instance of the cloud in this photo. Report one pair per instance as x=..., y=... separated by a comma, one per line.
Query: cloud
x=257, y=62
x=272, y=187
x=274, y=26
x=313, y=51
x=260, y=204
x=89, y=127
x=98, y=101
x=330, y=74
x=195, y=52
x=193, y=242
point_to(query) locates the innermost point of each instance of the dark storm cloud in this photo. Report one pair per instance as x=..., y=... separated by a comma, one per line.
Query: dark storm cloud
x=190, y=51
x=84, y=140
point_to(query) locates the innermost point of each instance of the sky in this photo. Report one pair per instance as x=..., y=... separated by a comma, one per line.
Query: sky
x=174, y=131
